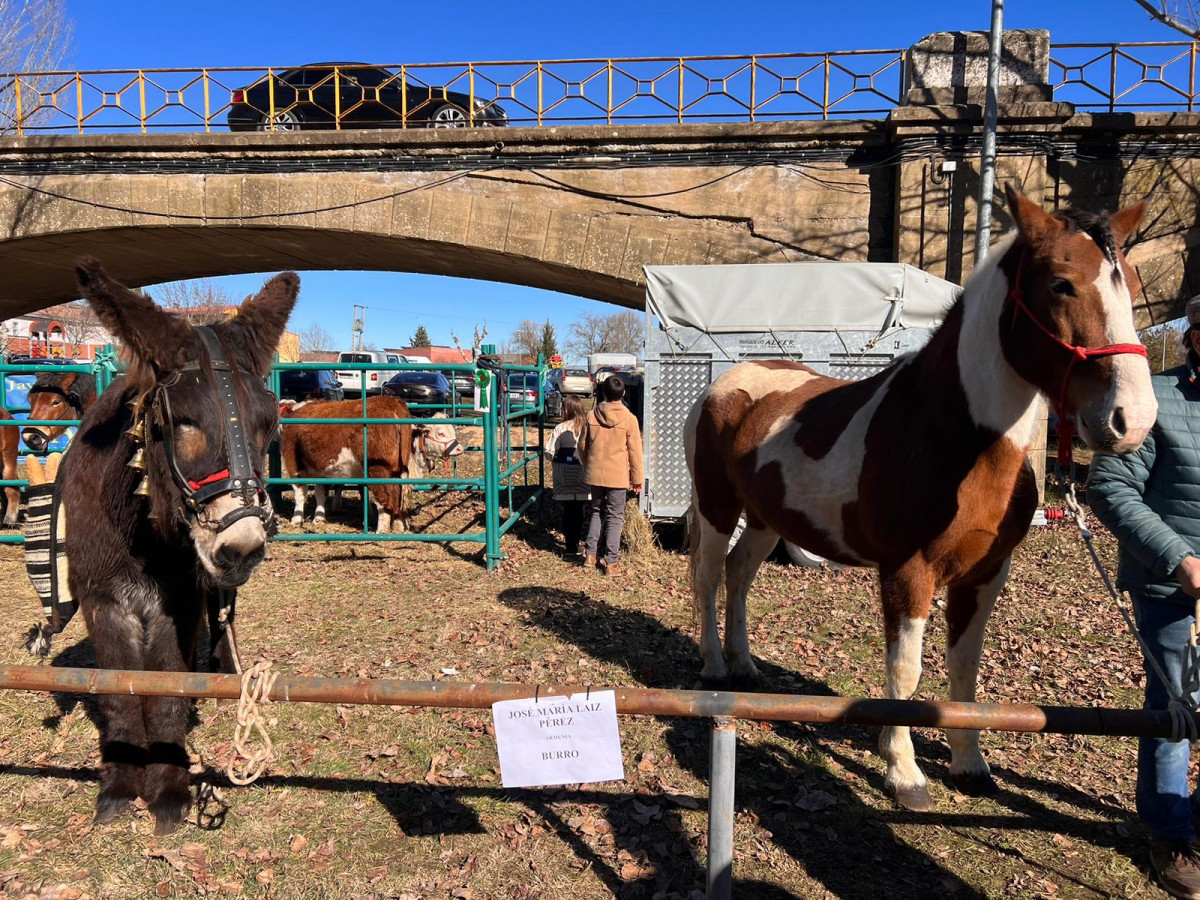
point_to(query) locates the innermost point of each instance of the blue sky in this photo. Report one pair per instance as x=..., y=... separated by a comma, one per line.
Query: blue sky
x=122, y=34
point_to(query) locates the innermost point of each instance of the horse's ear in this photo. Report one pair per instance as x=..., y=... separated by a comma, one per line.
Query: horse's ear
x=1031, y=220
x=152, y=335
x=254, y=333
x=1124, y=223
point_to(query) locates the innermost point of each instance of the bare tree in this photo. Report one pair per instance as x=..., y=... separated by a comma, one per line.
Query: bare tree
x=81, y=327
x=199, y=301
x=526, y=339
x=476, y=341
x=1164, y=344
x=314, y=338
x=1182, y=15
x=614, y=333
x=35, y=36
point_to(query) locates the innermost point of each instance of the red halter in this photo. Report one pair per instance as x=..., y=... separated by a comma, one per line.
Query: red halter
x=1066, y=427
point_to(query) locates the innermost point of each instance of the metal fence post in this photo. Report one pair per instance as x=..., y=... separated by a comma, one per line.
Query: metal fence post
x=723, y=751
x=491, y=475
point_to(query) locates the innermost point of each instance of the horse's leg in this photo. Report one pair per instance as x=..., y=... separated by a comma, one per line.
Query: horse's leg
x=967, y=612
x=170, y=647
x=907, y=594
x=755, y=545
x=300, y=495
x=708, y=547
x=319, y=511
x=12, y=496
x=117, y=635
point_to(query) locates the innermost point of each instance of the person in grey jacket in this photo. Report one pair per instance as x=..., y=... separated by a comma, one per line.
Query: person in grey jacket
x=1150, y=500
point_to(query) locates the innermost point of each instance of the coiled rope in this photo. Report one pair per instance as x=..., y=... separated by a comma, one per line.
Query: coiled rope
x=248, y=764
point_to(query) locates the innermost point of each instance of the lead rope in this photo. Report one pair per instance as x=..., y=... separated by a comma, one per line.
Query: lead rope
x=247, y=765
x=1181, y=709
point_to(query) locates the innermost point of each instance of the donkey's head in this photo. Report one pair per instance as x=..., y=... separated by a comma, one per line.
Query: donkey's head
x=1067, y=325
x=57, y=395
x=201, y=415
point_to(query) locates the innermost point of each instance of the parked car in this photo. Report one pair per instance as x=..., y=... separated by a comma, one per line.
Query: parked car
x=310, y=384
x=353, y=379
x=464, y=384
x=523, y=392
x=419, y=387
x=320, y=95
x=571, y=380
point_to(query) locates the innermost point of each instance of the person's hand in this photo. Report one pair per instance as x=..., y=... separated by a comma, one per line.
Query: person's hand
x=1188, y=575
x=637, y=489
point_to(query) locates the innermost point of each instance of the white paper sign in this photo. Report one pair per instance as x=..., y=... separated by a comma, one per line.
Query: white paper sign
x=558, y=740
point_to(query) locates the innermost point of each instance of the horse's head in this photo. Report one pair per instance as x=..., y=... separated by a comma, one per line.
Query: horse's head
x=1067, y=325
x=200, y=415
x=56, y=395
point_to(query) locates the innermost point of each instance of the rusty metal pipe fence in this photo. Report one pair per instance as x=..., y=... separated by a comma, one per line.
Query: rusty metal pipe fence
x=722, y=707
x=750, y=88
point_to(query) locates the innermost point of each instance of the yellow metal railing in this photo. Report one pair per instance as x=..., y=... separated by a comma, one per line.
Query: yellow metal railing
x=608, y=91
x=767, y=87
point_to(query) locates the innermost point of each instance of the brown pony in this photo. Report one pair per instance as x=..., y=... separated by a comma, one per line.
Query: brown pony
x=163, y=487
x=921, y=471
x=9, y=444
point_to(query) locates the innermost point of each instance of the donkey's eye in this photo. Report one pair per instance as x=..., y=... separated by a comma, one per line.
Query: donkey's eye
x=1062, y=288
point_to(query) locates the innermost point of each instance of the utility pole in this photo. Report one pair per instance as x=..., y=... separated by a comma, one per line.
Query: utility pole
x=356, y=333
x=987, y=164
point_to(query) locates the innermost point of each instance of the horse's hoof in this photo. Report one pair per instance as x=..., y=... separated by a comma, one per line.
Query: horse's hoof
x=109, y=809
x=745, y=682
x=915, y=799
x=974, y=784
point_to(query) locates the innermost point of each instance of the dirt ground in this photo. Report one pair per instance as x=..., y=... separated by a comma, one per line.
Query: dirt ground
x=405, y=803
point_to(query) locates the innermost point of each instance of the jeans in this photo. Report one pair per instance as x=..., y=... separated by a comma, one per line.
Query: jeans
x=572, y=523
x=1164, y=800
x=607, y=514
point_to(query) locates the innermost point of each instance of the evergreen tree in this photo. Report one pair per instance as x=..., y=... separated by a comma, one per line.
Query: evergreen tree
x=548, y=343
x=421, y=338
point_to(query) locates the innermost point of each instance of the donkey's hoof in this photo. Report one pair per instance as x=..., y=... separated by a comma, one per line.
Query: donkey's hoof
x=109, y=809
x=915, y=799
x=706, y=683
x=974, y=784
x=168, y=816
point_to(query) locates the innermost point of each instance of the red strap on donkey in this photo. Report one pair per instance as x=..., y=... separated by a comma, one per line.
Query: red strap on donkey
x=1066, y=426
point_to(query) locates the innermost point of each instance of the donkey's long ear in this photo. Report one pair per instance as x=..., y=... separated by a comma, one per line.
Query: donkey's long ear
x=1032, y=221
x=152, y=335
x=253, y=334
x=1124, y=223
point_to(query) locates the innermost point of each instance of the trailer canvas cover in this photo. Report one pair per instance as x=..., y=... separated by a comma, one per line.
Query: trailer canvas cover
x=797, y=297
x=847, y=320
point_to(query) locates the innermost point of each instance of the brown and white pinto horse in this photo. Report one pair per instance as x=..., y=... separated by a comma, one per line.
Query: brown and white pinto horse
x=921, y=470
x=57, y=395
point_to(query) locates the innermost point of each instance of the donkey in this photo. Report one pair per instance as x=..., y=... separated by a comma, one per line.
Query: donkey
x=57, y=395
x=920, y=471
x=164, y=481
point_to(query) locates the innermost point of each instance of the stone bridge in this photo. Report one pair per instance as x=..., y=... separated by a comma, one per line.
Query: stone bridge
x=581, y=209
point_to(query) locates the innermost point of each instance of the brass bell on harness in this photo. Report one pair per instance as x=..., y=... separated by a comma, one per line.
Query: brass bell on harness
x=138, y=460
x=137, y=431
x=143, y=489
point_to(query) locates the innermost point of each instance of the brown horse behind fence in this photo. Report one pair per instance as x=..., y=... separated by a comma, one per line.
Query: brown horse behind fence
x=921, y=470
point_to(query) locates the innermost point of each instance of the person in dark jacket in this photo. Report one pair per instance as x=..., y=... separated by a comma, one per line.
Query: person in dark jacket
x=1151, y=501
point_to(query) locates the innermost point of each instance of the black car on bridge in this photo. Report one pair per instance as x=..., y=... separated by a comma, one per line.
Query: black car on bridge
x=321, y=95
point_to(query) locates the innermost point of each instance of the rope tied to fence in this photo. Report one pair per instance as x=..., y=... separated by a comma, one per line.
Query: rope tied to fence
x=247, y=764
x=1182, y=705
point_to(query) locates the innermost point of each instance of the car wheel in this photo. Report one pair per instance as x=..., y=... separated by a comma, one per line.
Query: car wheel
x=448, y=116
x=288, y=120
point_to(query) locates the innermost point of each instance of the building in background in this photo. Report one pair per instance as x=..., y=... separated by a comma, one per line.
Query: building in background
x=63, y=331
x=434, y=354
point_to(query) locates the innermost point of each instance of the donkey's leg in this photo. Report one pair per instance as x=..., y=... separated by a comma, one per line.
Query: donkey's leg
x=117, y=635
x=319, y=511
x=967, y=612
x=300, y=495
x=708, y=547
x=170, y=647
x=907, y=595
x=741, y=566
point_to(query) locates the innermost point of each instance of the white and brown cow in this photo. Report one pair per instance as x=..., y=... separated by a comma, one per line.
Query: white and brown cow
x=336, y=451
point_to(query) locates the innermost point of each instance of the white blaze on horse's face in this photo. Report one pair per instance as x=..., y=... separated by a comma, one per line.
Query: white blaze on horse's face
x=231, y=554
x=1122, y=418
